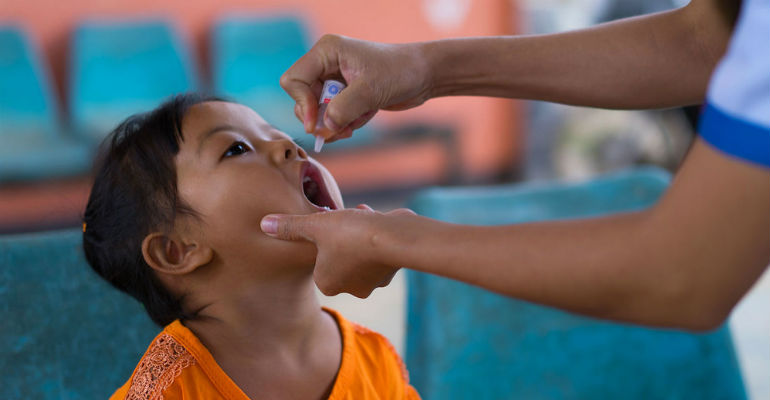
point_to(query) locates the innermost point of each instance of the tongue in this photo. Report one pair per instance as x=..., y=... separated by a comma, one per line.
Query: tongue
x=311, y=190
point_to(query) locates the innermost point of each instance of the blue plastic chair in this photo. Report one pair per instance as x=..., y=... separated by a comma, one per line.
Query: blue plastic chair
x=32, y=143
x=66, y=333
x=464, y=342
x=248, y=57
x=121, y=68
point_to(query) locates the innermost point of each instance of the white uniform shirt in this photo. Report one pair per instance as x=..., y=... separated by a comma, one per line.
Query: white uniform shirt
x=736, y=118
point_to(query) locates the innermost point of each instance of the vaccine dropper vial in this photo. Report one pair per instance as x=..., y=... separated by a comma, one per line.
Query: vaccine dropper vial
x=331, y=88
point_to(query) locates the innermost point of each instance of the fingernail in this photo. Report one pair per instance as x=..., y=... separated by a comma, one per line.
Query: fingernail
x=269, y=225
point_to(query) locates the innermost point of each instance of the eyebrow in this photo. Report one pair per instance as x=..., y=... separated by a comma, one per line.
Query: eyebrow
x=212, y=131
x=208, y=134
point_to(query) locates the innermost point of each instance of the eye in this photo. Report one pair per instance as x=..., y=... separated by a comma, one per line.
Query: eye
x=236, y=149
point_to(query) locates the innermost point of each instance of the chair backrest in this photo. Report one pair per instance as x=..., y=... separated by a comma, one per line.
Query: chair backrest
x=121, y=68
x=33, y=144
x=66, y=333
x=27, y=105
x=248, y=56
x=463, y=342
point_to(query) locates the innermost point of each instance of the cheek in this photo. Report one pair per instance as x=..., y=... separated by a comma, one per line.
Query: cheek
x=236, y=199
x=239, y=241
x=254, y=249
x=236, y=237
x=232, y=207
x=232, y=212
x=240, y=212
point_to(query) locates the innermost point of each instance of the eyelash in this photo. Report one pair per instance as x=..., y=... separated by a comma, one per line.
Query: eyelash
x=299, y=142
x=228, y=154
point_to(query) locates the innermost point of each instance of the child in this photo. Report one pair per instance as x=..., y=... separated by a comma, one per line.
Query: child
x=173, y=220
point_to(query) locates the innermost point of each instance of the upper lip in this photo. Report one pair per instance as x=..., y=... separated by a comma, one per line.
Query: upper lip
x=313, y=174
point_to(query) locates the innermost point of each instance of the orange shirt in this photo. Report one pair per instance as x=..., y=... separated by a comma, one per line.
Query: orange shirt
x=178, y=366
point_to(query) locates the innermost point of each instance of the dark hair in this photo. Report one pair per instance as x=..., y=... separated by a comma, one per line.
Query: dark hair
x=134, y=194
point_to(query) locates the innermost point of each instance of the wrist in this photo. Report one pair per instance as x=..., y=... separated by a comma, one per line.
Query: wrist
x=401, y=240
x=427, y=67
x=422, y=70
x=451, y=67
x=383, y=239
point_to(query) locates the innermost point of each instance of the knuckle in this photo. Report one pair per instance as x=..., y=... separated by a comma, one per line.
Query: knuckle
x=330, y=290
x=330, y=39
x=285, y=80
x=298, y=113
x=324, y=285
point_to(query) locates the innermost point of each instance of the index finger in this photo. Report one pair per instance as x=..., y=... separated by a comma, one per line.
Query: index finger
x=301, y=92
x=290, y=227
x=302, y=81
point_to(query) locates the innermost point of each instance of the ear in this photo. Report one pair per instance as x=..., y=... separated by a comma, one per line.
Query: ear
x=171, y=255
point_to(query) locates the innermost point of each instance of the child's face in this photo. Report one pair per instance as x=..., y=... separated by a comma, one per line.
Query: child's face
x=233, y=168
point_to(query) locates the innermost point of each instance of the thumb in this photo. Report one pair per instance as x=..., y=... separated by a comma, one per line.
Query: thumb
x=350, y=104
x=289, y=227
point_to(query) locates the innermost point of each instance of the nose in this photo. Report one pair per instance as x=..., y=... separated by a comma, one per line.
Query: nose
x=284, y=150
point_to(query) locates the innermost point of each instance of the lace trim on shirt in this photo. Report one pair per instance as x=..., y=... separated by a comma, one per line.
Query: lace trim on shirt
x=157, y=370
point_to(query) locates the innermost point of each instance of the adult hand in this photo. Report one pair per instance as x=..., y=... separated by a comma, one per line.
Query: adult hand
x=349, y=255
x=378, y=76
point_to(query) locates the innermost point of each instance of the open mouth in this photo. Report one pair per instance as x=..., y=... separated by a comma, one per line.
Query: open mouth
x=314, y=188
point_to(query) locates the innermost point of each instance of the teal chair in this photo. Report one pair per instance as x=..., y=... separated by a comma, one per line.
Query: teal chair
x=66, y=333
x=248, y=57
x=33, y=144
x=121, y=68
x=463, y=342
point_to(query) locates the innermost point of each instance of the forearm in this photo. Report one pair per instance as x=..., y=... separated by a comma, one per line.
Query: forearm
x=598, y=267
x=652, y=61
